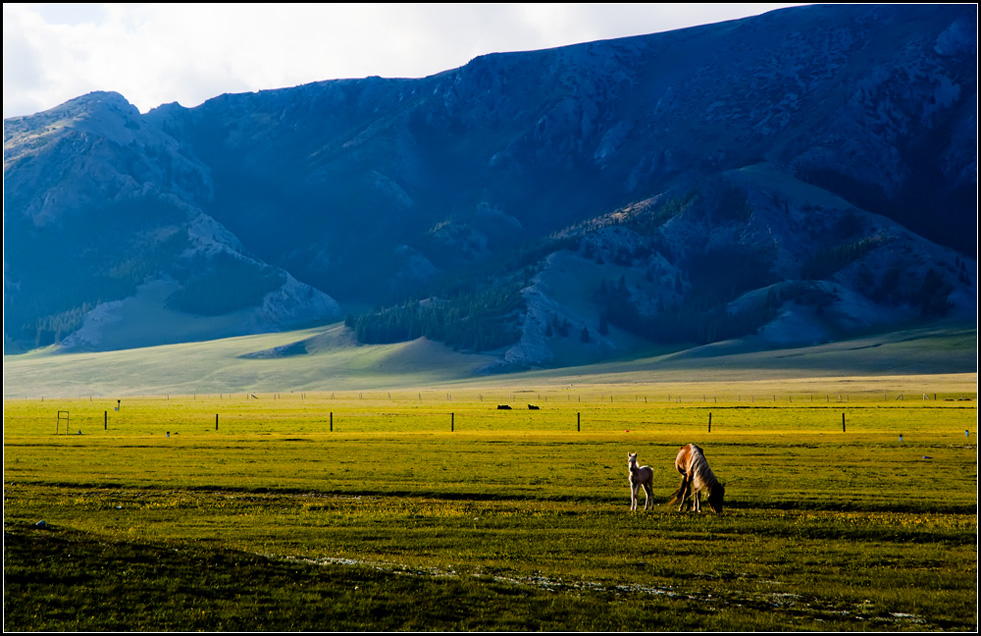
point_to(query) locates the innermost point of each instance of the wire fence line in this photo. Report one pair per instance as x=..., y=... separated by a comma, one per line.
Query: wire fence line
x=517, y=397
x=549, y=410
x=156, y=418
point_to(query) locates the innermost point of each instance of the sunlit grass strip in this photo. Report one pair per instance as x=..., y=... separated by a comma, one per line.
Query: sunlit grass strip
x=476, y=412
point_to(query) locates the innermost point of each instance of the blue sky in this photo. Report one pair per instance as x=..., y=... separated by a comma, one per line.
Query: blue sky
x=159, y=53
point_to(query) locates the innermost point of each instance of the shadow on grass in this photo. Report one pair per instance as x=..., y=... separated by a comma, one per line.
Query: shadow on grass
x=64, y=580
x=938, y=506
x=61, y=579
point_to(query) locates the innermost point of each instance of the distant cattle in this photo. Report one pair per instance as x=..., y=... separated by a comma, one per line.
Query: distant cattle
x=532, y=407
x=503, y=407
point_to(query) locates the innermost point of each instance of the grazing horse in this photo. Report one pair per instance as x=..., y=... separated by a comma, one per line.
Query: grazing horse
x=640, y=476
x=696, y=476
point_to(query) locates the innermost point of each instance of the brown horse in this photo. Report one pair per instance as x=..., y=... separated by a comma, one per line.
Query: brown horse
x=696, y=476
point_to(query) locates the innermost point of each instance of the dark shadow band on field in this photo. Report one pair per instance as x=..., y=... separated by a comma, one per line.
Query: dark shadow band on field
x=880, y=507
x=938, y=507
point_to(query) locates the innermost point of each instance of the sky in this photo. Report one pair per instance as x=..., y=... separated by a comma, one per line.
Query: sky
x=160, y=53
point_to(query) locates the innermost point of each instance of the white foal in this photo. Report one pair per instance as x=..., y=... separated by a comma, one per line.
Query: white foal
x=640, y=476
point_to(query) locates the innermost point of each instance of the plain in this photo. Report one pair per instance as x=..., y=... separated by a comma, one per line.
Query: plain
x=850, y=506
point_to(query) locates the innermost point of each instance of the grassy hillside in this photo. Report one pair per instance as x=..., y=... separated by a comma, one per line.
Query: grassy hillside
x=328, y=359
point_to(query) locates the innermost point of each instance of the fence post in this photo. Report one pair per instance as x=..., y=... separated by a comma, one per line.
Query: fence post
x=710, y=422
x=451, y=421
x=105, y=420
x=331, y=421
x=842, y=422
x=578, y=421
x=216, y=421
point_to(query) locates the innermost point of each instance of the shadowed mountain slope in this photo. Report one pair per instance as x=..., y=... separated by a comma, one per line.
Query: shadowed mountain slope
x=792, y=178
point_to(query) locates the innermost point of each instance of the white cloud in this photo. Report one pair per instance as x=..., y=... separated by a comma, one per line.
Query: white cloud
x=158, y=53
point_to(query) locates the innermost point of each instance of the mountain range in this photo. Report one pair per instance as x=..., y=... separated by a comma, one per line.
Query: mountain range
x=787, y=179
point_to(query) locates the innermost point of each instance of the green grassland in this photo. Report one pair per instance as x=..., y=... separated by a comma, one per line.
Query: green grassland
x=431, y=509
